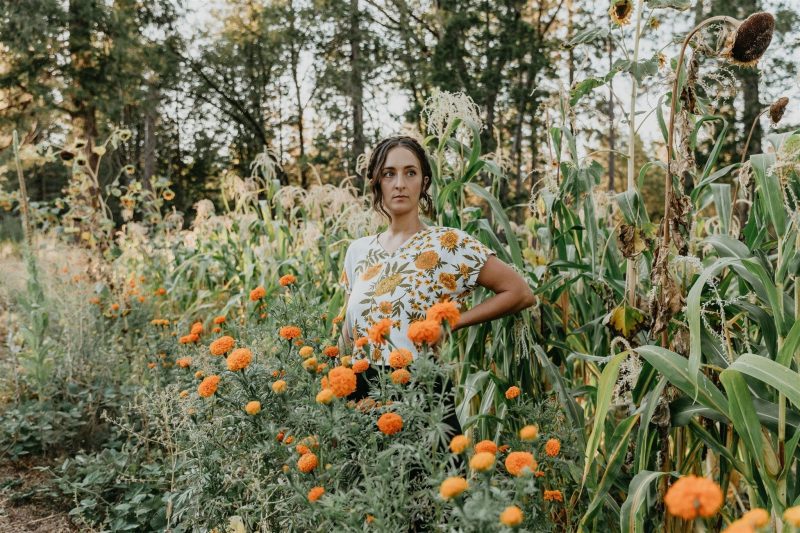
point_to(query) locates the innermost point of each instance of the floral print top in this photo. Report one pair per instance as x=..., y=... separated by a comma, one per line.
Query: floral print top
x=435, y=264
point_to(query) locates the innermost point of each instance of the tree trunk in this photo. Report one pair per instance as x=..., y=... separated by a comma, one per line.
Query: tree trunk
x=357, y=90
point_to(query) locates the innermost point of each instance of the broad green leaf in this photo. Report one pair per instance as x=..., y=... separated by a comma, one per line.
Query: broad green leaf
x=630, y=516
x=676, y=369
x=772, y=373
x=605, y=390
x=588, y=35
x=769, y=190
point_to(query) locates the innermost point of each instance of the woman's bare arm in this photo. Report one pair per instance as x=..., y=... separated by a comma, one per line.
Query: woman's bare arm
x=512, y=294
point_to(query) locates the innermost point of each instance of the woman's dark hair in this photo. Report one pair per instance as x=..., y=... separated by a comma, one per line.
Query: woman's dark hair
x=378, y=159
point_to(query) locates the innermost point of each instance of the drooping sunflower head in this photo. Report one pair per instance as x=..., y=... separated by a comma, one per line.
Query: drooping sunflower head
x=621, y=11
x=777, y=109
x=745, y=45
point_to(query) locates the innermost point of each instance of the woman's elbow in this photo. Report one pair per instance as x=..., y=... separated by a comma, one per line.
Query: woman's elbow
x=527, y=299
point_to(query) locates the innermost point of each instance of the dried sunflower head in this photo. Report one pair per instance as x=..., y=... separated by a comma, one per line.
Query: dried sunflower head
x=745, y=45
x=621, y=11
x=777, y=109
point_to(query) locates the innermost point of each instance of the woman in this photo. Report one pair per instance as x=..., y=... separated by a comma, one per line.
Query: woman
x=401, y=272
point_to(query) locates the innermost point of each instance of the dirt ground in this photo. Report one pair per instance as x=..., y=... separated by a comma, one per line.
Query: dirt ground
x=24, y=507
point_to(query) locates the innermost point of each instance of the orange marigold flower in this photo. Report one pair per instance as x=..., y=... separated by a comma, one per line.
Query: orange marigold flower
x=307, y=462
x=188, y=339
x=518, y=462
x=342, y=381
x=219, y=319
x=427, y=331
x=208, y=386
x=792, y=516
x=756, y=517
x=692, y=496
x=279, y=387
x=287, y=279
x=321, y=368
x=380, y=330
x=511, y=516
x=315, y=494
x=239, y=359
x=360, y=366
x=184, y=362
x=222, y=345
x=114, y=307
x=161, y=291
x=302, y=449
x=390, y=423
x=253, y=408
x=289, y=332
x=216, y=329
x=288, y=440
x=459, y=444
x=512, y=392
x=184, y=394
x=503, y=449
x=257, y=293
x=481, y=461
x=452, y=487
x=310, y=364
x=197, y=328
x=345, y=360
x=486, y=446
x=401, y=376
x=151, y=365
x=94, y=300
x=529, y=432
x=279, y=436
x=331, y=351
x=400, y=358
x=325, y=396
x=305, y=351
x=553, y=496
x=552, y=447
x=538, y=473
x=444, y=311
x=361, y=341
x=199, y=374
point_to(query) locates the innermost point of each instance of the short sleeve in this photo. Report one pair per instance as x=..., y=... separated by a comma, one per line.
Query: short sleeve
x=347, y=271
x=472, y=255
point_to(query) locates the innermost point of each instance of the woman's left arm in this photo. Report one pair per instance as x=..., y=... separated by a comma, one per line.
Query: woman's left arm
x=512, y=294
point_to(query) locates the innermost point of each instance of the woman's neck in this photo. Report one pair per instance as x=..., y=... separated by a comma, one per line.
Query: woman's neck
x=404, y=225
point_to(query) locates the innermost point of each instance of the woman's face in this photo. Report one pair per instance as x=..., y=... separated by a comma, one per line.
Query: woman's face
x=401, y=181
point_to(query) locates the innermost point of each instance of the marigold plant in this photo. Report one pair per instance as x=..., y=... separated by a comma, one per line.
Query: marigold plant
x=444, y=311
x=401, y=376
x=459, y=444
x=253, y=407
x=482, y=461
x=360, y=366
x=287, y=279
x=511, y=516
x=390, y=423
x=517, y=463
x=693, y=496
x=553, y=496
x=512, y=392
x=208, y=386
x=239, y=359
x=486, y=446
x=552, y=447
x=222, y=345
x=307, y=462
x=453, y=487
x=257, y=293
x=400, y=358
x=424, y=331
x=279, y=387
x=529, y=432
x=342, y=381
x=289, y=332
x=380, y=330
x=315, y=494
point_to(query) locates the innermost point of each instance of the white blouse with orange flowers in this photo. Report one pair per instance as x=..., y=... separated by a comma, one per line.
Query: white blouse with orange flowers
x=435, y=264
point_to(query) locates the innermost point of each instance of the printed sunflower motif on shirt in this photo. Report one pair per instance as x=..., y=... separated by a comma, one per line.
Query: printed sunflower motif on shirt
x=437, y=263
